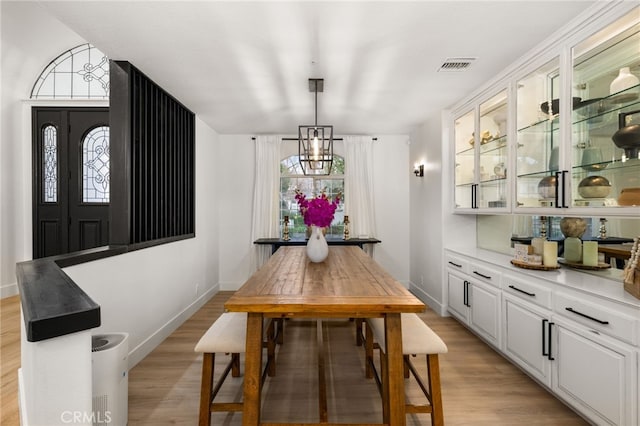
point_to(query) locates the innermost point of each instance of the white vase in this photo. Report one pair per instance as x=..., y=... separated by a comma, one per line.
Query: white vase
x=622, y=82
x=317, y=247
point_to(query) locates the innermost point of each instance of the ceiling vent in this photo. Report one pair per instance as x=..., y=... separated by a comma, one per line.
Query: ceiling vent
x=456, y=64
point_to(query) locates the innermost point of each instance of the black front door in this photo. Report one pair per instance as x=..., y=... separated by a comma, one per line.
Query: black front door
x=70, y=179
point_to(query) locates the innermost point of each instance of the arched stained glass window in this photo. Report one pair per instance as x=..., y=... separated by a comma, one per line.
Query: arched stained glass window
x=95, y=166
x=50, y=163
x=78, y=73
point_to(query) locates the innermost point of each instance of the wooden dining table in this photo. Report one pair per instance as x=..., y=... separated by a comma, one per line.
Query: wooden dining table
x=348, y=284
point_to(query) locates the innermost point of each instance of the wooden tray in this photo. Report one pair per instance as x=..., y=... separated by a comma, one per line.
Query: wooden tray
x=583, y=266
x=525, y=265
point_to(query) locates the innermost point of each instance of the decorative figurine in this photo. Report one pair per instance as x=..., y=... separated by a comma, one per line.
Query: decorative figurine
x=285, y=229
x=345, y=235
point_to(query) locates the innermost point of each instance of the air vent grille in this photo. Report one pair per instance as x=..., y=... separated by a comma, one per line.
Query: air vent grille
x=456, y=64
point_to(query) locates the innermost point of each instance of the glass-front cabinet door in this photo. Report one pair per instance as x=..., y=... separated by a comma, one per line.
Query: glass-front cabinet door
x=538, y=151
x=464, y=140
x=605, y=126
x=491, y=192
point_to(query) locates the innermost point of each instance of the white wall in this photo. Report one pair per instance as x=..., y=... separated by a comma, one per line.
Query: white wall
x=149, y=293
x=29, y=39
x=391, y=183
x=431, y=212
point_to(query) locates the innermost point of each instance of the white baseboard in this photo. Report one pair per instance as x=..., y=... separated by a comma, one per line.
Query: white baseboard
x=438, y=307
x=22, y=400
x=150, y=343
x=8, y=290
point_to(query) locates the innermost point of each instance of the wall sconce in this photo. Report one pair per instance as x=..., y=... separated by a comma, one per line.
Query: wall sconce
x=418, y=170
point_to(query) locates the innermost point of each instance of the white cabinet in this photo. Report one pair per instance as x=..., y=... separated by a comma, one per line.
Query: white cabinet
x=481, y=157
x=544, y=138
x=526, y=338
x=473, y=302
x=484, y=306
x=527, y=310
x=579, y=344
x=595, y=374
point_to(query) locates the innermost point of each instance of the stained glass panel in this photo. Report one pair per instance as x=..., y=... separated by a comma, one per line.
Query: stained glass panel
x=78, y=73
x=50, y=164
x=95, y=166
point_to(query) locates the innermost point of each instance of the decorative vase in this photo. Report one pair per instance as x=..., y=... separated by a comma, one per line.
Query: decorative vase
x=625, y=80
x=628, y=138
x=573, y=226
x=594, y=187
x=317, y=247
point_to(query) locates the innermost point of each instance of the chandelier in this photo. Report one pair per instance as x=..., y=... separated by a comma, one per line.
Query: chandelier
x=315, y=142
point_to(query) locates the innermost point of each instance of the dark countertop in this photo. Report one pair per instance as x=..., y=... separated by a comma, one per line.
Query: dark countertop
x=52, y=303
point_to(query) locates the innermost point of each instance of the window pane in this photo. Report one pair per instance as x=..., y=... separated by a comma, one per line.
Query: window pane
x=95, y=166
x=50, y=164
x=81, y=72
x=291, y=177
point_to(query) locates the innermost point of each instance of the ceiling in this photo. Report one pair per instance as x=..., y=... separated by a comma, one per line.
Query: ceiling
x=243, y=67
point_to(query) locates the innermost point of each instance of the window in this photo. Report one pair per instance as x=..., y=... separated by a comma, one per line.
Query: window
x=50, y=163
x=78, y=73
x=291, y=177
x=95, y=166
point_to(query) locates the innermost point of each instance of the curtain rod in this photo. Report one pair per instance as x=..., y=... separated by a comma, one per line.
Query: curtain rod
x=253, y=138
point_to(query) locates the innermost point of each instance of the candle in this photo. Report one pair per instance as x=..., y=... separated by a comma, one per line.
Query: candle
x=537, y=244
x=550, y=253
x=572, y=249
x=590, y=253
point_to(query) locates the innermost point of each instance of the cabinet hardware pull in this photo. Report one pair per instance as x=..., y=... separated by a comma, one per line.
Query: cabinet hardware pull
x=549, y=356
x=557, y=206
x=474, y=196
x=564, y=185
x=455, y=264
x=522, y=291
x=482, y=275
x=544, y=340
x=466, y=294
x=587, y=316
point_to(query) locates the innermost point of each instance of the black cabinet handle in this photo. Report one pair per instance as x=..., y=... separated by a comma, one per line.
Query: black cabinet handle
x=482, y=275
x=544, y=340
x=522, y=291
x=474, y=196
x=550, y=356
x=557, y=174
x=466, y=294
x=455, y=264
x=587, y=316
x=564, y=185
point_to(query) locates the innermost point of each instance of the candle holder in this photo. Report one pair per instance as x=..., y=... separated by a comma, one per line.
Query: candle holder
x=345, y=234
x=543, y=227
x=603, y=228
x=285, y=229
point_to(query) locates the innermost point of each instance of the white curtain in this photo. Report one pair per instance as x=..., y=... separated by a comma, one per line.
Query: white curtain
x=266, y=196
x=359, y=191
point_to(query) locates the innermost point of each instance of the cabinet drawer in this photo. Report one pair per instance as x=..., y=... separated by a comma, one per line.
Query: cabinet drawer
x=529, y=291
x=485, y=274
x=456, y=262
x=596, y=317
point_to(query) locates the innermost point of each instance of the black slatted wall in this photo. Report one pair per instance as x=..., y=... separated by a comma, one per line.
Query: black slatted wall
x=160, y=146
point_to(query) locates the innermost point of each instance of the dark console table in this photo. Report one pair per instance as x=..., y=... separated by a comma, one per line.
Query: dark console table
x=276, y=243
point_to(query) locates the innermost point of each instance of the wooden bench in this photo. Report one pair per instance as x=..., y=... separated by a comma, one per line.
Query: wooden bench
x=228, y=335
x=417, y=339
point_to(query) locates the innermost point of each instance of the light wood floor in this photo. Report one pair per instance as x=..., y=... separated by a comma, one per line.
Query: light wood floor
x=479, y=386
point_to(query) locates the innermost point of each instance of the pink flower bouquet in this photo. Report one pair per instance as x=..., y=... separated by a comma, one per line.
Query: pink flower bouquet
x=317, y=211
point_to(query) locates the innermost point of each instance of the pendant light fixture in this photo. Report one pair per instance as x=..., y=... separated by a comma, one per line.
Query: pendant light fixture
x=315, y=142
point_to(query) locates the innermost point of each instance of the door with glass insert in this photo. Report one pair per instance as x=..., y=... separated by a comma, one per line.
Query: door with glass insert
x=70, y=179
